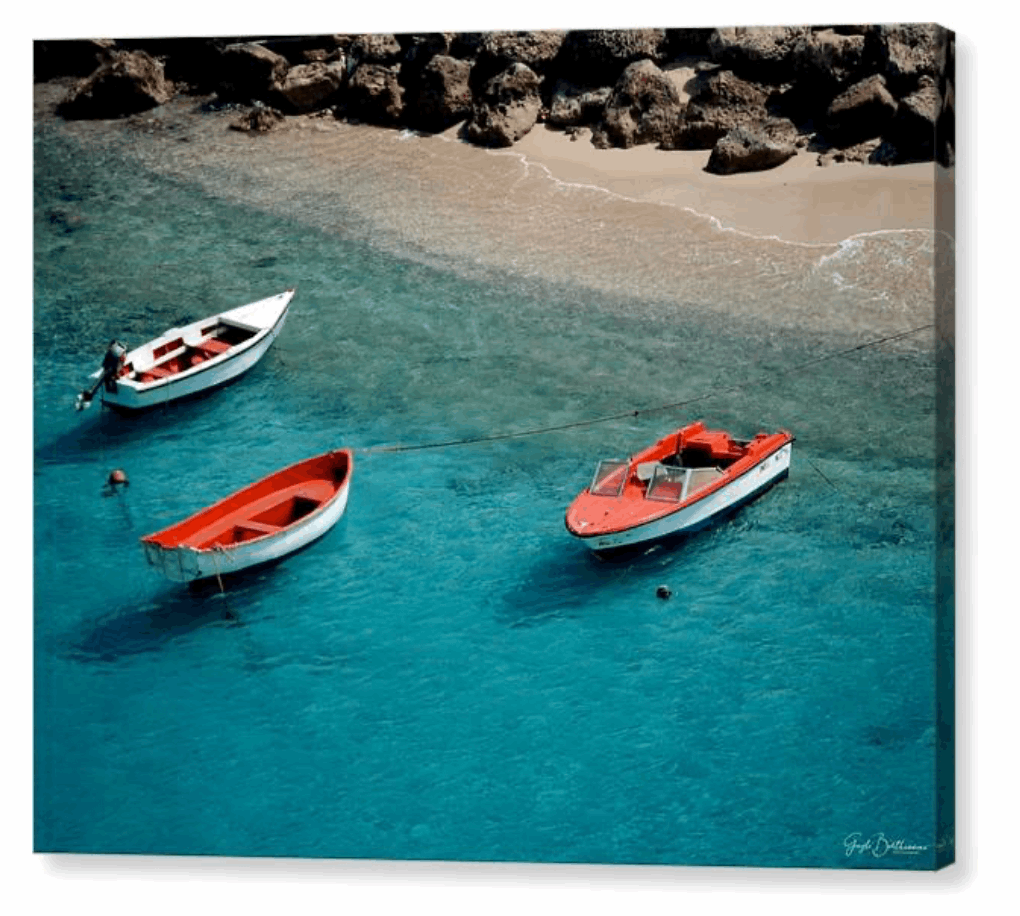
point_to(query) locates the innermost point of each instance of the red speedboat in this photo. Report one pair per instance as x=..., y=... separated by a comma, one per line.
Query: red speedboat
x=680, y=484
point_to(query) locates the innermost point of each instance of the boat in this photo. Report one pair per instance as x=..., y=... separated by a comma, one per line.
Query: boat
x=187, y=360
x=681, y=484
x=265, y=521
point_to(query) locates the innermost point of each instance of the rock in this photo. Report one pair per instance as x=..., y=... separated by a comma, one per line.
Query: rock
x=905, y=53
x=829, y=59
x=306, y=49
x=685, y=42
x=466, y=45
x=644, y=107
x=127, y=83
x=742, y=150
x=307, y=87
x=52, y=59
x=507, y=109
x=249, y=72
x=192, y=63
x=384, y=50
x=912, y=131
x=419, y=50
x=720, y=102
x=763, y=55
x=859, y=153
x=864, y=111
x=571, y=106
x=597, y=57
x=497, y=51
x=374, y=94
x=259, y=120
x=443, y=96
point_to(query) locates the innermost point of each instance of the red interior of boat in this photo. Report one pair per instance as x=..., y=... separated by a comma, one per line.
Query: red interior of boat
x=266, y=507
x=692, y=447
x=222, y=338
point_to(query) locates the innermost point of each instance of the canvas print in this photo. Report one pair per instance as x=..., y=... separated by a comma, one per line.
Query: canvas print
x=517, y=446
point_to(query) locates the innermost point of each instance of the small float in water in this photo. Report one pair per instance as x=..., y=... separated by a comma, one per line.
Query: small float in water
x=680, y=484
x=188, y=360
x=265, y=521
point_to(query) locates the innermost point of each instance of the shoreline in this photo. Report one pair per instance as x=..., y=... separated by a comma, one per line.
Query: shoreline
x=798, y=202
x=648, y=227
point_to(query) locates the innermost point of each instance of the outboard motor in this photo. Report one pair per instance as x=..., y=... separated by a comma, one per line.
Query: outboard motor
x=113, y=359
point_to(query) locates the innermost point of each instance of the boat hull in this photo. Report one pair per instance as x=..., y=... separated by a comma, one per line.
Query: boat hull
x=701, y=513
x=130, y=396
x=183, y=562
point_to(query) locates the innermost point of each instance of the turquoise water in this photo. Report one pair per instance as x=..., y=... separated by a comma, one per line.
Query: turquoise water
x=447, y=674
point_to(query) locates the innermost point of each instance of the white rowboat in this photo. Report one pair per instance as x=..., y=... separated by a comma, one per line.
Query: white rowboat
x=185, y=361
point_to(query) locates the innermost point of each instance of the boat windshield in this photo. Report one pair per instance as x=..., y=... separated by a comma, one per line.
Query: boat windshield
x=610, y=476
x=667, y=483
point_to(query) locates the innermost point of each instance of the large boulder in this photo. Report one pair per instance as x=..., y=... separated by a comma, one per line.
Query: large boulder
x=191, y=63
x=759, y=54
x=906, y=53
x=69, y=57
x=382, y=49
x=419, y=50
x=374, y=94
x=829, y=59
x=127, y=83
x=743, y=150
x=307, y=87
x=911, y=135
x=644, y=107
x=497, y=51
x=442, y=96
x=719, y=102
x=507, y=108
x=249, y=72
x=573, y=106
x=864, y=111
x=597, y=57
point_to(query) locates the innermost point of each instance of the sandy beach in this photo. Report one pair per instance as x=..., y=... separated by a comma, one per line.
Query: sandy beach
x=798, y=201
x=647, y=226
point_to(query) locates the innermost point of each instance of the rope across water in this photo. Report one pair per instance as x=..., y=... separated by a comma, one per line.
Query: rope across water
x=540, y=430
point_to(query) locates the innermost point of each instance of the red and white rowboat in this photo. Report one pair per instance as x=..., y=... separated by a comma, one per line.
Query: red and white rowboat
x=265, y=521
x=680, y=484
x=184, y=361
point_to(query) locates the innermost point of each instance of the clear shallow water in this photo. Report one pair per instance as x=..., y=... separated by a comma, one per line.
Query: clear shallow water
x=447, y=675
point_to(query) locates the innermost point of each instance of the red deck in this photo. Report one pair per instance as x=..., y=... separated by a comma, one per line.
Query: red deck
x=698, y=448
x=266, y=507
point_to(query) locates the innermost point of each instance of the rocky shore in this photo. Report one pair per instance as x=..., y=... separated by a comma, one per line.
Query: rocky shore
x=754, y=97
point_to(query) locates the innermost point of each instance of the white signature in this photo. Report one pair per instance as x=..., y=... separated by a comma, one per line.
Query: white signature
x=879, y=845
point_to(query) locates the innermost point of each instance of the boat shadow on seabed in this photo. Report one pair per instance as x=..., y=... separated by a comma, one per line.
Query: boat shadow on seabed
x=175, y=612
x=107, y=428
x=568, y=585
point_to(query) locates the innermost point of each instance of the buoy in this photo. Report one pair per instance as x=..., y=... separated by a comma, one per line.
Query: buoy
x=663, y=591
x=117, y=478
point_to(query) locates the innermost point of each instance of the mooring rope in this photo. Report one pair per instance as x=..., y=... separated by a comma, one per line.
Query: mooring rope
x=594, y=421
